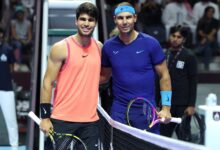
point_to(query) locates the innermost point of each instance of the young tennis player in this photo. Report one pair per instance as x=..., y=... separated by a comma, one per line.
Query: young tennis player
x=74, y=63
x=133, y=58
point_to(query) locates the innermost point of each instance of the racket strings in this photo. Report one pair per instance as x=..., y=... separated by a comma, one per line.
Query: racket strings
x=67, y=138
x=143, y=107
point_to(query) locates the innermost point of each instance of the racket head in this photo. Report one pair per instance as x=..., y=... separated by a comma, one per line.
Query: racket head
x=66, y=141
x=140, y=113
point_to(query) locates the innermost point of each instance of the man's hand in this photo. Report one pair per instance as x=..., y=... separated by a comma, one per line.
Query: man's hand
x=46, y=125
x=190, y=110
x=165, y=113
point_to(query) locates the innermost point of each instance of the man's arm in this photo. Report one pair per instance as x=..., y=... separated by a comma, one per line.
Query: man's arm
x=165, y=85
x=55, y=60
x=105, y=75
x=192, y=76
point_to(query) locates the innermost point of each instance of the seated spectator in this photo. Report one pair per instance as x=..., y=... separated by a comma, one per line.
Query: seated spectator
x=21, y=34
x=178, y=12
x=150, y=9
x=154, y=27
x=199, y=8
x=207, y=28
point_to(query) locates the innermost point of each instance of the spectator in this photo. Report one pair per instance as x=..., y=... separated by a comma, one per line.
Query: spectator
x=207, y=35
x=21, y=34
x=150, y=9
x=154, y=27
x=178, y=12
x=7, y=96
x=199, y=7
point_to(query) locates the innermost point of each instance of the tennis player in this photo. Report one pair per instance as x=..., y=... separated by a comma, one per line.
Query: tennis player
x=133, y=58
x=75, y=64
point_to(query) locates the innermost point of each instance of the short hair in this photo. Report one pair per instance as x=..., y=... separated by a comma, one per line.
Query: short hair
x=87, y=8
x=178, y=28
x=124, y=4
x=207, y=9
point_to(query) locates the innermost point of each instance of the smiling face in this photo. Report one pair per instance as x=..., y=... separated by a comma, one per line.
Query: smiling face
x=125, y=22
x=85, y=25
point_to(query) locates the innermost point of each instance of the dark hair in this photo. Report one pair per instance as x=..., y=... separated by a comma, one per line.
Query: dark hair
x=178, y=28
x=87, y=8
x=207, y=9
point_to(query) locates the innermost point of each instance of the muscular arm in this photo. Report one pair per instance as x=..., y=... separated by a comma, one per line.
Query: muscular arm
x=162, y=71
x=55, y=60
x=56, y=57
x=165, y=85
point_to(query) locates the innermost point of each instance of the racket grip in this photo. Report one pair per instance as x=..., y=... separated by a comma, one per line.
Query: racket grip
x=176, y=120
x=34, y=117
x=173, y=119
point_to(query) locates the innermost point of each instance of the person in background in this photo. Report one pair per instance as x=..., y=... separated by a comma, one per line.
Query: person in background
x=182, y=65
x=7, y=96
x=199, y=8
x=74, y=63
x=132, y=59
x=178, y=12
x=21, y=34
x=207, y=29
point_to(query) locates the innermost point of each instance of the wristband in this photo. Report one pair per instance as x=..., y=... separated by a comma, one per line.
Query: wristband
x=166, y=98
x=45, y=109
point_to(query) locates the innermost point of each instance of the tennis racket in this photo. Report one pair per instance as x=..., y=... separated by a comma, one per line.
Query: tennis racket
x=144, y=109
x=70, y=138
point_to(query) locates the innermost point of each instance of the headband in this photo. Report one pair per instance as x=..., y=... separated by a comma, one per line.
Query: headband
x=121, y=9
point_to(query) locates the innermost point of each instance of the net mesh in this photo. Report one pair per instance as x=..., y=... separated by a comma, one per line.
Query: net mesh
x=117, y=136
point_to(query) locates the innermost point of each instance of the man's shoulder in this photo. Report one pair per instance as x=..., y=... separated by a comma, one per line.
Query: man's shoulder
x=60, y=45
x=111, y=40
x=188, y=52
x=147, y=38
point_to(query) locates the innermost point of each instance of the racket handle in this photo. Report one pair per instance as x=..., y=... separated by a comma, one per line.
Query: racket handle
x=173, y=119
x=34, y=117
x=176, y=120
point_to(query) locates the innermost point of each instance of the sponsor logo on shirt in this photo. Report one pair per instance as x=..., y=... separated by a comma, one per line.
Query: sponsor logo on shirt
x=138, y=52
x=115, y=52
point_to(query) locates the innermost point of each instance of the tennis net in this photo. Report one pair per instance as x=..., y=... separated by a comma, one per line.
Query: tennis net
x=117, y=136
